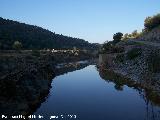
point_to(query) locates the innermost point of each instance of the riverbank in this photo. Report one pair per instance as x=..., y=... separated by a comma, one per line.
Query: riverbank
x=137, y=62
x=26, y=77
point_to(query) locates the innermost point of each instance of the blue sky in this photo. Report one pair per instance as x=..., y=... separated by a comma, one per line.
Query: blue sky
x=92, y=20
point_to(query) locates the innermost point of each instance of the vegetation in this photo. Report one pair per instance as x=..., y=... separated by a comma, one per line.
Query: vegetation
x=126, y=36
x=111, y=45
x=120, y=58
x=134, y=34
x=17, y=45
x=117, y=37
x=135, y=52
x=132, y=54
x=152, y=22
x=33, y=37
x=149, y=24
x=154, y=61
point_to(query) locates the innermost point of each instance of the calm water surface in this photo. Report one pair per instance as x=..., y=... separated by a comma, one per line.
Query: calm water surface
x=85, y=94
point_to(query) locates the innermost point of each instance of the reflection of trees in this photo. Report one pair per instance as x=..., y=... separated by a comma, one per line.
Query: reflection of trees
x=71, y=67
x=152, y=100
x=150, y=97
x=118, y=87
x=119, y=81
x=25, y=95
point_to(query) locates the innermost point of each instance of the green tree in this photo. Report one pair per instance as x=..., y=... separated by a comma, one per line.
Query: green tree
x=152, y=22
x=117, y=37
x=17, y=45
x=147, y=23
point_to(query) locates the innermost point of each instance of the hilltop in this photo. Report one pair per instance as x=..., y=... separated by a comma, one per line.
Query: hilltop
x=34, y=37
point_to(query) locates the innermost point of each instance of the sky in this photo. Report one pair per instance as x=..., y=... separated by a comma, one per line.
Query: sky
x=93, y=20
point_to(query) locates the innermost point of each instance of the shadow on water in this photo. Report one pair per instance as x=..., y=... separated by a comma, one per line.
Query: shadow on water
x=23, y=95
x=151, y=97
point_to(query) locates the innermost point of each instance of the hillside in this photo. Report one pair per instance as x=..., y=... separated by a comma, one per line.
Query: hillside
x=137, y=59
x=34, y=37
x=152, y=36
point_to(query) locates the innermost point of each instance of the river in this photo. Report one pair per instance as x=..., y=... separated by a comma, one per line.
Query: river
x=84, y=95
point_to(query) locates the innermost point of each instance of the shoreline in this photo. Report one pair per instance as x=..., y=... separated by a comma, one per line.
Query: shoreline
x=28, y=85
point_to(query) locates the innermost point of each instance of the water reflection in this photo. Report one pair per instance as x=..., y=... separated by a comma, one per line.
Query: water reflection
x=24, y=94
x=90, y=92
x=100, y=95
x=150, y=97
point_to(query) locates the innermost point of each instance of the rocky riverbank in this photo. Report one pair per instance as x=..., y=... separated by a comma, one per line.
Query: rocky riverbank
x=138, y=62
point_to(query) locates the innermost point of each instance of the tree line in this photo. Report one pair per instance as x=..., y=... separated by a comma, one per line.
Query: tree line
x=149, y=24
x=14, y=35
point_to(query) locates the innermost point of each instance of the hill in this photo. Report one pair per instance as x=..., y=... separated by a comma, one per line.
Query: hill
x=137, y=57
x=34, y=37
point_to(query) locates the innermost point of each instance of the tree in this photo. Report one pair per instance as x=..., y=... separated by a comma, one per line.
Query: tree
x=34, y=37
x=17, y=45
x=126, y=36
x=117, y=37
x=152, y=22
x=134, y=33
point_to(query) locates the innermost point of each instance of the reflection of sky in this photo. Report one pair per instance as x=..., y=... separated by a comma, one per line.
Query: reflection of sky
x=84, y=93
x=93, y=20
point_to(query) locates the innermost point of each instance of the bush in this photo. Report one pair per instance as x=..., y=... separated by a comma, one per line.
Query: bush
x=154, y=62
x=17, y=45
x=111, y=48
x=135, y=52
x=152, y=22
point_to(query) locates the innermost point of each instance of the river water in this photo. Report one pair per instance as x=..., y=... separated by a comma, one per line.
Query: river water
x=84, y=95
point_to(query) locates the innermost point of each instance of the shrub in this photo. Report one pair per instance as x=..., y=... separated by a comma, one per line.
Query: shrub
x=109, y=47
x=152, y=22
x=135, y=52
x=154, y=62
x=17, y=45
